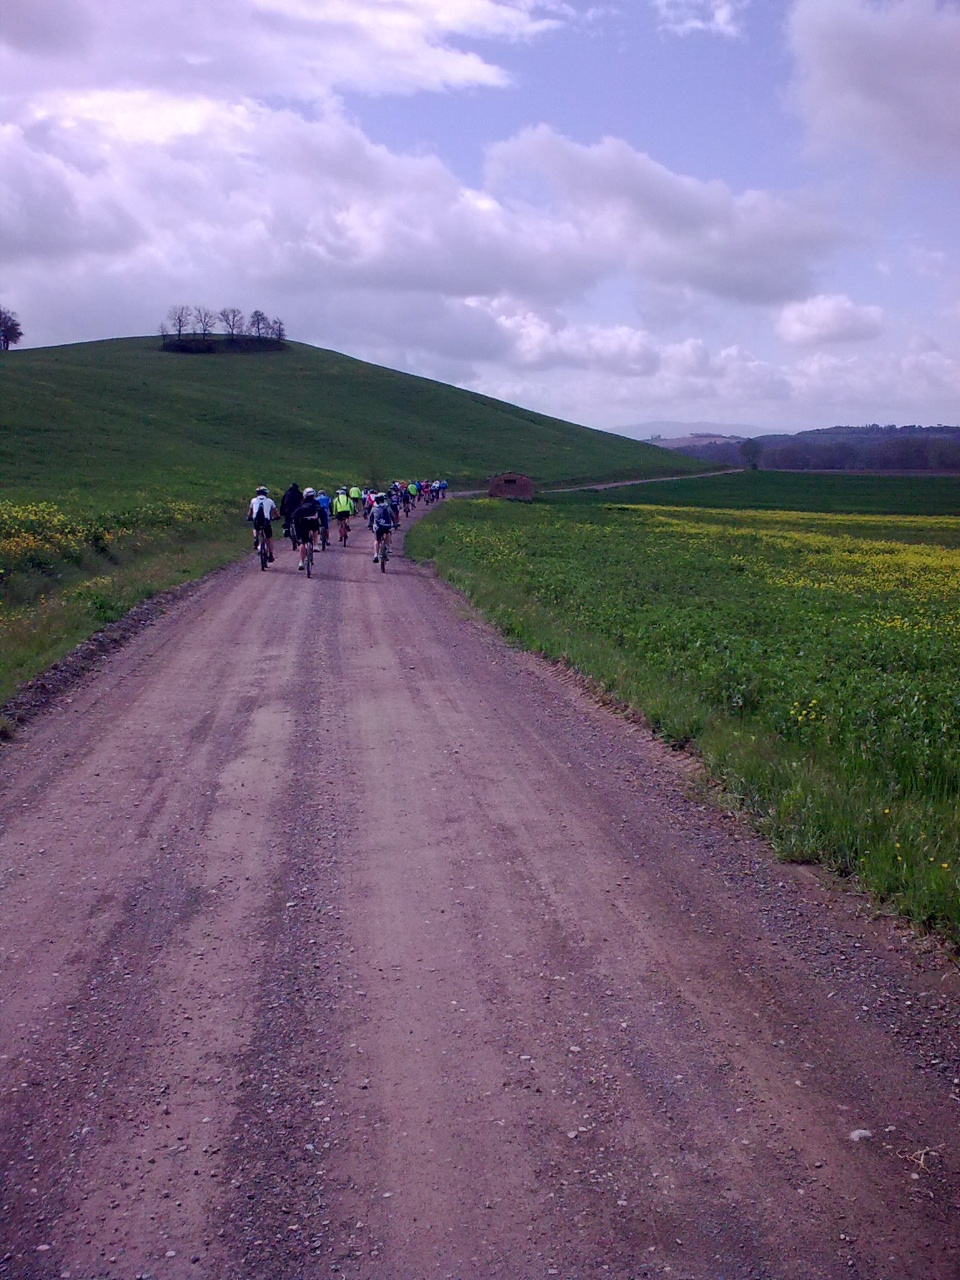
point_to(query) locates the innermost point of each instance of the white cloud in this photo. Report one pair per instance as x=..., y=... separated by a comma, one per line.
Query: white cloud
x=888, y=388
x=199, y=153
x=208, y=189
x=535, y=339
x=682, y=17
x=828, y=318
x=930, y=263
x=753, y=246
x=884, y=76
x=238, y=48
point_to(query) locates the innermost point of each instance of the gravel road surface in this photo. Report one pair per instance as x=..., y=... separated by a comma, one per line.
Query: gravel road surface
x=338, y=939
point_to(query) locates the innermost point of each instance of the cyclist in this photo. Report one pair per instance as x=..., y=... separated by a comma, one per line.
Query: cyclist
x=288, y=505
x=394, y=499
x=307, y=520
x=443, y=488
x=381, y=521
x=355, y=498
x=405, y=499
x=342, y=508
x=263, y=511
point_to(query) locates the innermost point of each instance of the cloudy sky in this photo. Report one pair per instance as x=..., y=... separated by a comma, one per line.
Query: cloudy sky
x=736, y=211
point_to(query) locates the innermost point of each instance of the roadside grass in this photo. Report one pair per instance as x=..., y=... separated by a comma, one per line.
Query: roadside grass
x=919, y=495
x=46, y=611
x=813, y=660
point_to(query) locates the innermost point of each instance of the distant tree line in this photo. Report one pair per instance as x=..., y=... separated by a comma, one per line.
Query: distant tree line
x=844, y=448
x=193, y=329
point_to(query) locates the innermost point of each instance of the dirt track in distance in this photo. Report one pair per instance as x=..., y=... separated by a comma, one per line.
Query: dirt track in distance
x=338, y=939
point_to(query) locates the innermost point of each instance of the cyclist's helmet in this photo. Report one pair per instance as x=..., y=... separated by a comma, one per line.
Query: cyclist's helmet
x=309, y=493
x=262, y=488
x=381, y=497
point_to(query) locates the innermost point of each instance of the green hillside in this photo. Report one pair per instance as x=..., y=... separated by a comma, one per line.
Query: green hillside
x=93, y=423
x=126, y=469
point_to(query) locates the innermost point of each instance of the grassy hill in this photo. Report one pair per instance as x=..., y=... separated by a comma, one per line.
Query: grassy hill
x=93, y=422
x=126, y=469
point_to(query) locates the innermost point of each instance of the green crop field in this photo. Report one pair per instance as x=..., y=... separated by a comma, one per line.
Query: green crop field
x=128, y=467
x=814, y=659
x=928, y=495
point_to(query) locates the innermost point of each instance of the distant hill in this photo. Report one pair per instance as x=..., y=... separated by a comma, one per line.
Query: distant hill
x=668, y=433
x=85, y=422
x=865, y=448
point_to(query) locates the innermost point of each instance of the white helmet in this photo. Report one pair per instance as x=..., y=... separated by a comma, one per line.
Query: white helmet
x=309, y=493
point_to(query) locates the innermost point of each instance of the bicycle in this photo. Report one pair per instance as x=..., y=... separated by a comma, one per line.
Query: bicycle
x=308, y=554
x=324, y=537
x=343, y=529
x=262, y=549
x=383, y=550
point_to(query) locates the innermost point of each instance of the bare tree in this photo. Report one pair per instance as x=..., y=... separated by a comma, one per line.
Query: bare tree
x=232, y=320
x=10, y=331
x=279, y=331
x=204, y=320
x=259, y=325
x=179, y=318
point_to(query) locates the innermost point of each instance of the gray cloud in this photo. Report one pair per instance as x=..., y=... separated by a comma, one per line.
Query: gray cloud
x=885, y=77
x=47, y=28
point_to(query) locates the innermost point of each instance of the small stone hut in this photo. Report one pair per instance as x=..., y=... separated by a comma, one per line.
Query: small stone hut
x=511, y=484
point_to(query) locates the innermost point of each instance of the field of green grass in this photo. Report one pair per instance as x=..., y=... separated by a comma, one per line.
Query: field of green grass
x=130, y=467
x=89, y=425
x=792, y=491
x=814, y=659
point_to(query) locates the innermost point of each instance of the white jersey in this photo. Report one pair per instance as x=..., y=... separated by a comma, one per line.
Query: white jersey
x=261, y=502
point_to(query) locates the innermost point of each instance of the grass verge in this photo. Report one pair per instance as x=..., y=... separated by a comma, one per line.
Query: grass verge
x=49, y=608
x=813, y=660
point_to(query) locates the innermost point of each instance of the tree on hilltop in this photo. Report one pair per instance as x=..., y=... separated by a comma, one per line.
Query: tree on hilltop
x=180, y=318
x=10, y=331
x=259, y=325
x=232, y=320
x=204, y=319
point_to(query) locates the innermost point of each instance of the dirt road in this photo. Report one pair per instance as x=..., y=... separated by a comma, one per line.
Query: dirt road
x=338, y=939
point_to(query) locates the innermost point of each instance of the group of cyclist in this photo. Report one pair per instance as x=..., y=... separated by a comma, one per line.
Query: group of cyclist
x=307, y=513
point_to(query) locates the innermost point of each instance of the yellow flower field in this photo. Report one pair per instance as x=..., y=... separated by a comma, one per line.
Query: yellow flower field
x=815, y=659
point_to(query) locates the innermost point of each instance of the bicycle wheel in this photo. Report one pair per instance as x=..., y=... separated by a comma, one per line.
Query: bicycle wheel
x=264, y=553
x=308, y=558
